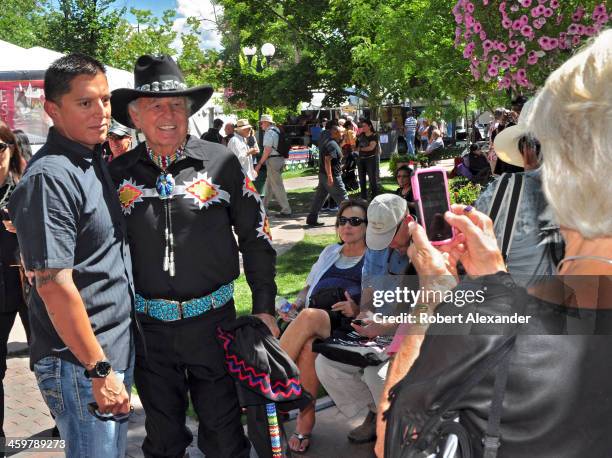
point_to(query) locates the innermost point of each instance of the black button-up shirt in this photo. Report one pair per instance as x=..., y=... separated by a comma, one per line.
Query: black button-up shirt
x=67, y=216
x=212, y=195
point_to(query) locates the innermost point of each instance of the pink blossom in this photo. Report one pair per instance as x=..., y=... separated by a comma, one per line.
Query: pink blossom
x=475, y=73
x=539, y=23
x=487, y=45
x=514, y=59
x=553, y=43
x=504, y=83
x=559, y=19
x=501, y=47
x=542, y=1
x=544, y=43
x=469, y=50
x=458, y=18
x=532, y=58
x=554, y=4
x=578, y=14
x=603, y=18
x=581, y=29
x=526, y=30
x=516, y=25
x=485, y=2
x=469, y=21
x=492, y=70
x=502, y=7
x=486, y=78
x=535, y=12
x=575, y=40
x=524, y=20
x=590, y=31
x=483, y=35
x=495, y=59
x=548, y=12
x=521, y=73
x=477, y=27
x=504, y=64
x=514, y=8
x=525, y=3
x=573, y=29
x=467, y=35
x=520, y=50
x=599, y=10
x=469, y=7
x=513, y=43
x=506, y=22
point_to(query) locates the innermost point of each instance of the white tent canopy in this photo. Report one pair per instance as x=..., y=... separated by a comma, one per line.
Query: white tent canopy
x=15, y=58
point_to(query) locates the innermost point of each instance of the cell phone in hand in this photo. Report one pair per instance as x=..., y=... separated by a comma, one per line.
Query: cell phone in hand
x=359, y=322
x=430, y=189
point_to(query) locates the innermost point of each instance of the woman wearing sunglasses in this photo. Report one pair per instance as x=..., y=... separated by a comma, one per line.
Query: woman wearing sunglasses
x=338, y=270
x=11, y=297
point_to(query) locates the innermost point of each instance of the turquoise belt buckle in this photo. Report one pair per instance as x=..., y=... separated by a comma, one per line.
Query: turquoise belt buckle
x=168, y=310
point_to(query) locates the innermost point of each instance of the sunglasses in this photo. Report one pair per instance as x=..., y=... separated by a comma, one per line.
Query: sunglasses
x=3, y=146
x=353, y=220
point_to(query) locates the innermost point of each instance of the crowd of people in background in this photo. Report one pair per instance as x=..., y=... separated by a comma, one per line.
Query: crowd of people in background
x=543, y=215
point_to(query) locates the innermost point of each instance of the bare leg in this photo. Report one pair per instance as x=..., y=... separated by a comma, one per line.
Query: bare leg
x=310, y=382
x=309, y=323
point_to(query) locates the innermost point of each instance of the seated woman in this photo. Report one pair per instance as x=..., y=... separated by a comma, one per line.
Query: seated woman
x=403, y=176
x=436, y=142
x=338, y=266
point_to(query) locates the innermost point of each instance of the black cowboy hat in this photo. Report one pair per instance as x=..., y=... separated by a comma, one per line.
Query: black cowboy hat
x=157, y=76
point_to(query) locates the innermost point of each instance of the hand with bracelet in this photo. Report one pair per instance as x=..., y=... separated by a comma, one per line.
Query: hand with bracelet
x=108, y=390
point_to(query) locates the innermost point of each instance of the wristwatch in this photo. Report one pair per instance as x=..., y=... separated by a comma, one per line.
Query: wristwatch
x=100, y=370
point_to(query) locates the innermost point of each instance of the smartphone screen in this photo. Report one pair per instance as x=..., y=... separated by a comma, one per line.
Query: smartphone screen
x=434, y=201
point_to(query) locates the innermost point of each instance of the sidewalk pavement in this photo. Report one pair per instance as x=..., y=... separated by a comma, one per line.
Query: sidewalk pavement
x=27, y=416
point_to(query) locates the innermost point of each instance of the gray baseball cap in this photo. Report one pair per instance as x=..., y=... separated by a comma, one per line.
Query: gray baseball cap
x=119, y=129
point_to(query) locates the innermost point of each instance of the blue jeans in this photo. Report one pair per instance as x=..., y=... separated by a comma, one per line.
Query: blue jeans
x=67, y=392
x=410, y=142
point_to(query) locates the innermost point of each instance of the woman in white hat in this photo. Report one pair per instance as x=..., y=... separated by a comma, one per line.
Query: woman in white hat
x=238, y=145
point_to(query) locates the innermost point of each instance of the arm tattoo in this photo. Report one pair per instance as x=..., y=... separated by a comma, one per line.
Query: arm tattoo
x=58, y=276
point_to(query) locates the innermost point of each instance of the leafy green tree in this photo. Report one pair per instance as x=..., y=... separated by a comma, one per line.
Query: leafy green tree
x=22, y=22
x=87, y=26
x=150, y=35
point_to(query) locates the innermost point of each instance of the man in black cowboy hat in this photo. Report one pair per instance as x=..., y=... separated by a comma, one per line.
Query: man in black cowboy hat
x=183, y=198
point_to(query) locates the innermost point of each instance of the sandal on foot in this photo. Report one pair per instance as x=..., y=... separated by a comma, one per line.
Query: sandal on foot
x=301, y=438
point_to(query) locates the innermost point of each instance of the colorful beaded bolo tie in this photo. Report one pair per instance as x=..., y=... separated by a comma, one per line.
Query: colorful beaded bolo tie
x=165, y=186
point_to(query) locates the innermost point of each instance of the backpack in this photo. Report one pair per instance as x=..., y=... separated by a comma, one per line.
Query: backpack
x=283, y=145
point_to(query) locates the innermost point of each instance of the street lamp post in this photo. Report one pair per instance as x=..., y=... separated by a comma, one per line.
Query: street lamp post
x=267, y=51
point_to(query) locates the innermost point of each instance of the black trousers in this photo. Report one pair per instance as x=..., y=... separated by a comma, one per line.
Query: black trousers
x=184, y=357
x=6, y=324
x=368, y=166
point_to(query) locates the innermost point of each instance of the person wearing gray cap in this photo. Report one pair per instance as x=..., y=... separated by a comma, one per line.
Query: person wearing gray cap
x=119, y=140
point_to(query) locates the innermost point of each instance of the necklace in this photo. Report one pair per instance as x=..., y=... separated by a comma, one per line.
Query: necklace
x=165, y=186
x=10, y=185
x=591, y=257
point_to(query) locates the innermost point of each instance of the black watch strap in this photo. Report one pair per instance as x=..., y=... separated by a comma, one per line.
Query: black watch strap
x=100, y=370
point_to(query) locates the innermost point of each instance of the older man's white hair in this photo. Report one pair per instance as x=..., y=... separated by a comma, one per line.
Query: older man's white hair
x=572, y=118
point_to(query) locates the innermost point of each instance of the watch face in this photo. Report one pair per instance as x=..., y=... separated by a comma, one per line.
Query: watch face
x=103, y=368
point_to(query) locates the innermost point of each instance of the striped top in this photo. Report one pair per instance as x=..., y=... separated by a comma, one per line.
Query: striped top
x=410, y=124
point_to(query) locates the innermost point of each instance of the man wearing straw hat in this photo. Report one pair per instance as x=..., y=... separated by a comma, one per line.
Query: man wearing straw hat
x=239, y=145
x=183, y=198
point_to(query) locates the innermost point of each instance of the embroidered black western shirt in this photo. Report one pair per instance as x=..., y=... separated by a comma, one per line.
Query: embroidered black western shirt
x=67, y=217
x=212, y=197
